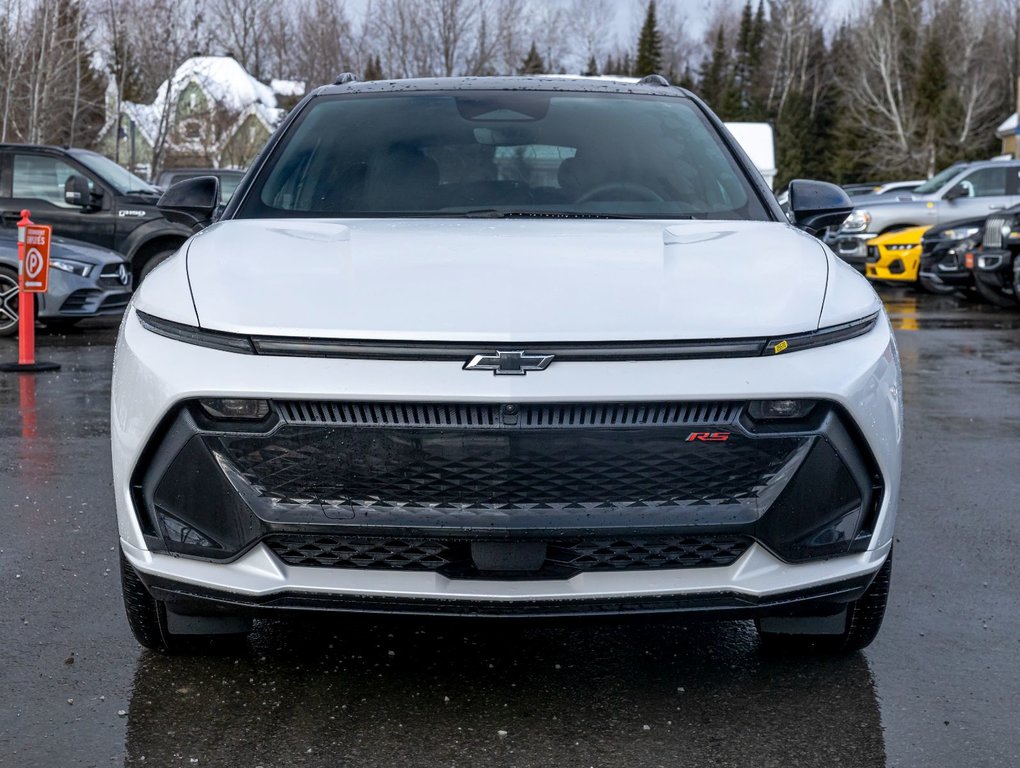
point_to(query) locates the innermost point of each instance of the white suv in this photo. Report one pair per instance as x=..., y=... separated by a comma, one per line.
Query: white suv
x=506, y=346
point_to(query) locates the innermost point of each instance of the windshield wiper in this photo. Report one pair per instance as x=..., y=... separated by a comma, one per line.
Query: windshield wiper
x=496, y=213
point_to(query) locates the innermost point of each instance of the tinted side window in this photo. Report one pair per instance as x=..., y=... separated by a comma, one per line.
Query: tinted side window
x=986, y=182
x=41, y=178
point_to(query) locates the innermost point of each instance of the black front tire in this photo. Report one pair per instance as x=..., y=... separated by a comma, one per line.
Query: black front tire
x=148, y=621
x=144, y=614
x=154, y=261
x=863, y=620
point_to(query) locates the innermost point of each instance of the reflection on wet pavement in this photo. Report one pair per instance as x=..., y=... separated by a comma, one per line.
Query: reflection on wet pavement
x=357, y=692
x=912, y=311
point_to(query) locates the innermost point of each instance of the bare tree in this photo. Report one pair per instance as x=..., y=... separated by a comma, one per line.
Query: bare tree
x=589, y=23
x=877, y=91
x=244, y=28
x=326, y=45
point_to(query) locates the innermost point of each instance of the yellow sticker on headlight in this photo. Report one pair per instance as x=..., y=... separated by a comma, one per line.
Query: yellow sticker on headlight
x=780, y=347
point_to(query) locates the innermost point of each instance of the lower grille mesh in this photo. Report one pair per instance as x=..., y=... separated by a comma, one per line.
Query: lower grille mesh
x=563, y=558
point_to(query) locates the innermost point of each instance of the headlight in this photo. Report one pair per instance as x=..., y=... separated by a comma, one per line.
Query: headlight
x=235, y=408
x=72, y=266
x=768, y=410
x=858, y=221
x=967, y=244
x=960, y=234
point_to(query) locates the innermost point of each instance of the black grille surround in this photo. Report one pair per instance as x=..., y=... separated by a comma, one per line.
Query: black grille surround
x=415, y=486
x=560, y=558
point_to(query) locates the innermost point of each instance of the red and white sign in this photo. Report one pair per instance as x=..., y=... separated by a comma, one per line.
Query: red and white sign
x=35, y=267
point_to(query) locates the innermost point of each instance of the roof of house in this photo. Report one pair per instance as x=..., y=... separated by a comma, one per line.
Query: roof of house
x=224, y=81
x=1008, y=127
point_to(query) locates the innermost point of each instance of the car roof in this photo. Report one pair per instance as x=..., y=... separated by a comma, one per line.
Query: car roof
x=508, y=83
x=210, y=171
x=34, y=147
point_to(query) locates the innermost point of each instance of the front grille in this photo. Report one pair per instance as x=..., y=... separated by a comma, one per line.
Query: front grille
x=563, y=557
x=605, y=415
x=484, y=471
x=993, y=231
x=80, y=300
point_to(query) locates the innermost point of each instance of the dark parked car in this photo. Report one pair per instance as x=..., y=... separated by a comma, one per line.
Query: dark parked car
x=943, y=248
x=229, y=179
x=85, y=281
x=993, y=266
x=87, y=197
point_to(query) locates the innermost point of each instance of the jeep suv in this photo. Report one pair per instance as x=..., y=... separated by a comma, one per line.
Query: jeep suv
x=962, y=191
x=992, y=266
x=506, y=346
x=87, y=197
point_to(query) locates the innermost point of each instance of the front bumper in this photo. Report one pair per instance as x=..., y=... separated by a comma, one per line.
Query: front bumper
x=899, y=265
x=993, y=269
x=100, y=294
x=259, y=585
x=853, y=248
x=944, y=265
x=155, y=378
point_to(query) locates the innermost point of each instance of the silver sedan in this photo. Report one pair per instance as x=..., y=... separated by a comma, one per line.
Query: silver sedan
x=85, y=281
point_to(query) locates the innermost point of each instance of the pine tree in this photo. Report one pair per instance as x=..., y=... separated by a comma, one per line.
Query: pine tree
x=532, y=64
x=930, y=98
x=649, y=50
x=373, y=69
x=626, y=66
x=714, y=76
x=593, y=67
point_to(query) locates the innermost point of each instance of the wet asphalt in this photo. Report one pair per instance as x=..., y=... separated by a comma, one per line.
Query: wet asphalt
x=940, y=686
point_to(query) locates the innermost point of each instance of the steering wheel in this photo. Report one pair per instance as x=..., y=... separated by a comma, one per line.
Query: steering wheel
x=639, y=192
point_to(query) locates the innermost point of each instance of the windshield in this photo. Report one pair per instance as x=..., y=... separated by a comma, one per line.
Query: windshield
x=502, y=153
x=939, y=180
x=121, y=179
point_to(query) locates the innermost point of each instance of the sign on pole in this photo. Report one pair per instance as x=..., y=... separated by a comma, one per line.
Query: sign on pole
x=33, y=278
x=35, y=268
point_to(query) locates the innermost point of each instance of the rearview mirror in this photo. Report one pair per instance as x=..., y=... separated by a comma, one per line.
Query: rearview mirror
x=816, y=205
x=191, y=202
x=77, y=191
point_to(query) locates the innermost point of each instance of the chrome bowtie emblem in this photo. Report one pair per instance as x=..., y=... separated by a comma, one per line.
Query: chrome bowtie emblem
x=509, y=363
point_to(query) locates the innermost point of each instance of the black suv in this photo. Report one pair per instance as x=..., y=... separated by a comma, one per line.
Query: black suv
x=86, y=196
x=993, y=265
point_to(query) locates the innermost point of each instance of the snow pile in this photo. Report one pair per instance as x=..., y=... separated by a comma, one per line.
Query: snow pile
x=288, y=88
x=1008, y=127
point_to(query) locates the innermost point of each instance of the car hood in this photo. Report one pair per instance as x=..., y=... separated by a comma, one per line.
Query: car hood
x=507, y=280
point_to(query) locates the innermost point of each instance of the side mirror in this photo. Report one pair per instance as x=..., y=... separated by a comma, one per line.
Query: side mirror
x=77, y=191
x=958, y=191
x=191, y=202
x=816, y=205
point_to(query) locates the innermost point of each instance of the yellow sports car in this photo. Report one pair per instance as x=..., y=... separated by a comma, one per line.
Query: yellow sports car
x=895, y=255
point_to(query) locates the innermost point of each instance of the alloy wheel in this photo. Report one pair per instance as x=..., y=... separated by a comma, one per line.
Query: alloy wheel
x=8, y=303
